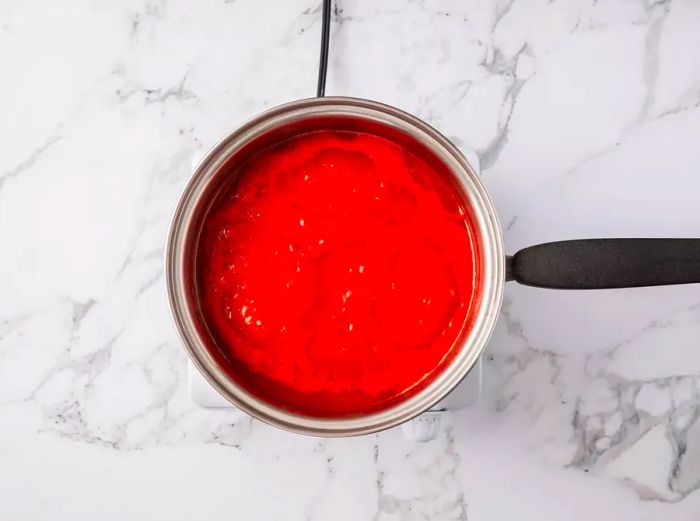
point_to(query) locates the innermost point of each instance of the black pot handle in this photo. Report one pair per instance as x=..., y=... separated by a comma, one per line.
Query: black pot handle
x=607, y=263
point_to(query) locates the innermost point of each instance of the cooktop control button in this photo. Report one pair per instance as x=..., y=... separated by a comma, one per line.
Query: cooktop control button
x=424, y=427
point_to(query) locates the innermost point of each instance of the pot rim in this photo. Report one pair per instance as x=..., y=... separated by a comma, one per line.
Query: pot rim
x=491, y=252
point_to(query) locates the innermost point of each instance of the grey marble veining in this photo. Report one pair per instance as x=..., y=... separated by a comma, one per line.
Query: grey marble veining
x=586, y=116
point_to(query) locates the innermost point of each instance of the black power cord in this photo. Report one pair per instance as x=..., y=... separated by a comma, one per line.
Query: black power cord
x=325, y=38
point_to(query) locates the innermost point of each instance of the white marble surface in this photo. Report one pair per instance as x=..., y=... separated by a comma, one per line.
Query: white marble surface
x=587, y=119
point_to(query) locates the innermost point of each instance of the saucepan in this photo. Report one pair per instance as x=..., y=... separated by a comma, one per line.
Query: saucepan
x=575, y=264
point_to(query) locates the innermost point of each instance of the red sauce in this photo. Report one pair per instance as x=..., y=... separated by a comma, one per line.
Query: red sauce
x=336, y=273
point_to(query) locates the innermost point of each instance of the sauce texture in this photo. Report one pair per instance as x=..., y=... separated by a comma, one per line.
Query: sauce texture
x=336, y=273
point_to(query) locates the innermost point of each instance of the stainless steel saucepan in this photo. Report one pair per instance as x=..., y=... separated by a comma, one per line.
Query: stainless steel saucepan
x=582, y=264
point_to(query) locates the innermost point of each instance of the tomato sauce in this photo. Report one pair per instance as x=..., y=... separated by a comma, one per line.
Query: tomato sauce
x=336, y=273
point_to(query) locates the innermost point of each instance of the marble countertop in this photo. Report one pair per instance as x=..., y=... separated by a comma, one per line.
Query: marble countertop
x=586, y=116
